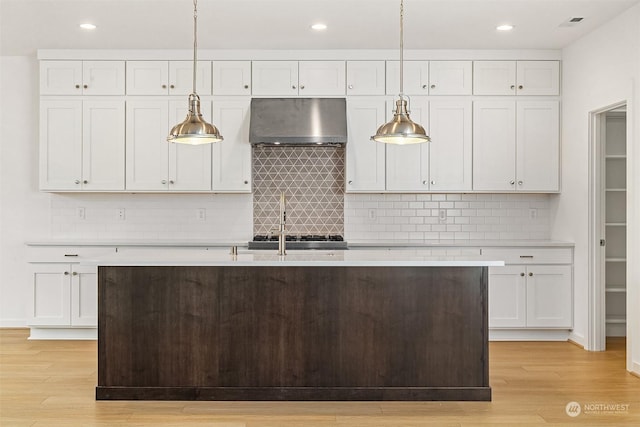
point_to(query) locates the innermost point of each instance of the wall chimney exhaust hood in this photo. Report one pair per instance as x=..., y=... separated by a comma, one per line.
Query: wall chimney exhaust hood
x=298, y=121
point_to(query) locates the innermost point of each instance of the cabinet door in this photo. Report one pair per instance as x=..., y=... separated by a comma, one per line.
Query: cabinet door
x=50, y=295
x=147, y=148
x=365, y=78
x=365, y=159
x=416, y=77
x=507, y=297
x=147, y=77
x=549, y=296
x=450, y=125
x=232, y=157
x=60, y=145
x=494, y=77
x=276, y=78
x=321, y=78
x=538, y=146
x=103, y=77
x=450, y=77
x=494, y=147
x=538, y=77
x=60, y=77
x=84, y=296
x=408, y=165
x=232, y=77
x=103, y=145
x=181, y=78
x=189, y=165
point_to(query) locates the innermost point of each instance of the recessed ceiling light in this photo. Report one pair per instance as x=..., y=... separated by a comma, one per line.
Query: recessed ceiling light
x=87, y=26
x=319, y=27
x=505, y=27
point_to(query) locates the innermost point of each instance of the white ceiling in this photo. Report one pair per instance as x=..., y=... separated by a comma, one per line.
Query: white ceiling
x=27, y=25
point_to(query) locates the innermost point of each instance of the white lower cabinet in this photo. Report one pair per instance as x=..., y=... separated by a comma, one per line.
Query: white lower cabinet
x=533, y=296
x=63, y=295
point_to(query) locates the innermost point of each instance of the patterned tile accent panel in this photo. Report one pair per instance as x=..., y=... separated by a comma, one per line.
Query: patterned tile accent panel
x=312, y=179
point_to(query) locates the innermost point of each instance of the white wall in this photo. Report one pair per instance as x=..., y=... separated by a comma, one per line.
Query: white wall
x=600, y=69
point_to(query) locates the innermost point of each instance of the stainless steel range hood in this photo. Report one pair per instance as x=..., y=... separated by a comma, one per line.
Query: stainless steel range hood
x=298, y=121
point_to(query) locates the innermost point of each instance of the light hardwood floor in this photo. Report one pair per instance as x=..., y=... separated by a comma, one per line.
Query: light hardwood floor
x=51, y=383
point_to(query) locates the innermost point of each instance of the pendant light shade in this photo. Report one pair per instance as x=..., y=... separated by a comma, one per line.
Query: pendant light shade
x=401, y=129
x=194, y=130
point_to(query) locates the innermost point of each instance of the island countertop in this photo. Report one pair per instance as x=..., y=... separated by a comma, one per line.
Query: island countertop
x=298, y=258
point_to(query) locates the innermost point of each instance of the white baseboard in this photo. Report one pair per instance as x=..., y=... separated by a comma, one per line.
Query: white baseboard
x=635, y=368
x=578, y=339
x=13, y=323
x=528, y=335
x=64, y=334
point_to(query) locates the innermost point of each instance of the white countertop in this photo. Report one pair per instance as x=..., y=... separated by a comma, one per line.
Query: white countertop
x=300, y=258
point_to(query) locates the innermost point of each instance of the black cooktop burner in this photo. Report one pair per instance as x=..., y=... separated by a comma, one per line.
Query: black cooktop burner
x=298, y=241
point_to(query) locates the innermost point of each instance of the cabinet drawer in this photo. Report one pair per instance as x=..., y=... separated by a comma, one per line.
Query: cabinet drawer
x=524, y=255
x=68, y=254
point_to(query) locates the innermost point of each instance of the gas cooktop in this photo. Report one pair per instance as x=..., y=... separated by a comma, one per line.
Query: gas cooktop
x=298, y=241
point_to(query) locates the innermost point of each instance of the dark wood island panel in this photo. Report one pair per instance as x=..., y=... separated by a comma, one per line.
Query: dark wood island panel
x=292, y=333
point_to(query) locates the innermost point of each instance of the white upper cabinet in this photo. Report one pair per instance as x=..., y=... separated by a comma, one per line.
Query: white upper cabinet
x=538, y=146
x=293, y=78
x=407, y=166
x=450, y=77
x=82, y=145
x=516, y=78
x=82, y=77
x=275, y=78
x=516, y=146
x=416, y=77
x=365, y=77
x=167, y=78
x=494, y=148
x=365, y=159
x=232, y=157
x=321, y=78
x=232, y=77
x=451, y=146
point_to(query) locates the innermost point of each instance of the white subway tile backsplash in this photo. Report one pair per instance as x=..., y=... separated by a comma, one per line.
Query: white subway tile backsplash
x=468, y=216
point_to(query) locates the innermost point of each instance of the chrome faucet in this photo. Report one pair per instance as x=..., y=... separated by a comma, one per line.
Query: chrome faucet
x=282, y=237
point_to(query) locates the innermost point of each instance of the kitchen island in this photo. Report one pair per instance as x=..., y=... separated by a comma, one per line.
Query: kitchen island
x=343, y=325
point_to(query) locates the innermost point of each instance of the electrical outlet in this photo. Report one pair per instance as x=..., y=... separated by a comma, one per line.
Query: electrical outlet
x=80, y=213
x=120, y=214
x=442, y=215
x=372, y=216
x=533, y=213
x=201, y=214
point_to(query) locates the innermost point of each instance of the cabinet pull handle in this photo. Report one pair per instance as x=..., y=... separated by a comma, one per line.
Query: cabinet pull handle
x=70, y=254
x=75, y=273
x=522, y=274
x=526, y=256
x=530, y=274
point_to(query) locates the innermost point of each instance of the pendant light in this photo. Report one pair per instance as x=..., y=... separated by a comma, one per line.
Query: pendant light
x=401, y=129
x=194, y=130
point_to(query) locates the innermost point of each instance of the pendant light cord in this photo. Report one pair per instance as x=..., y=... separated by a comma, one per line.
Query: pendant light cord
x=195, y=42
x=401, y=48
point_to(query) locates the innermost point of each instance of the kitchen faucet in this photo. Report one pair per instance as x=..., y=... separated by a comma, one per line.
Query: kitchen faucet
x=282, y=237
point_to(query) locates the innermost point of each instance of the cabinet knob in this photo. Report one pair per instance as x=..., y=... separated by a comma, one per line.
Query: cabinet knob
x=425, y=182
x=433, y=86
x=512, y=182
x=246, y=86
x=171, y=181
x=77, y=181
x=172, y=86
x=85, y=86
x=350, y=182
x=66, y=273
x=164, y=86
x=513, y=87
x=302, y=87
x=75, y=273
x=293, y=87
x=522, y=274
x=77, y=86
x=519, y=182
x=246, y=182
x=85, y=182
x=350, y=86
x=424, y=86
x=530, y=274
x=433, y=182
x=520, y=87
x=164, y=181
